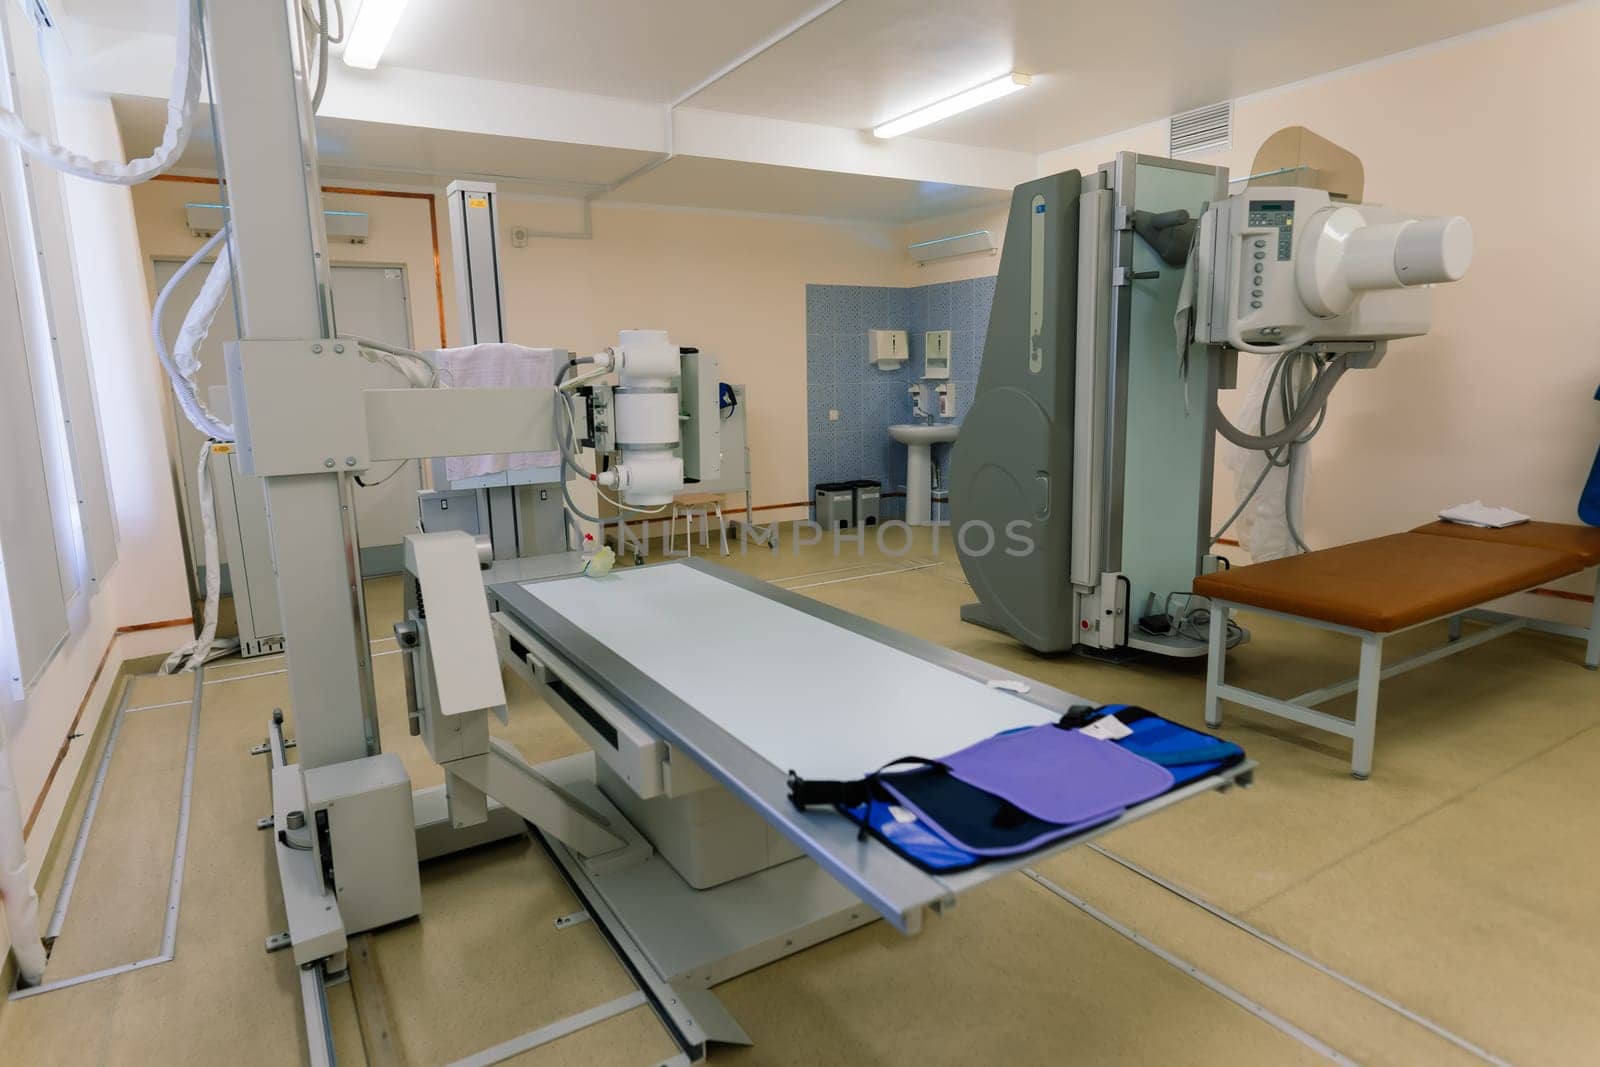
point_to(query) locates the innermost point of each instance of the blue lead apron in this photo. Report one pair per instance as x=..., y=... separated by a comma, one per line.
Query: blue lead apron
x=1021, y=790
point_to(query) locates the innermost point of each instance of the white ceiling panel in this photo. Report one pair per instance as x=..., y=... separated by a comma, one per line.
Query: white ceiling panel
x=411, y=155
x=1098, y=67
x=691, y=181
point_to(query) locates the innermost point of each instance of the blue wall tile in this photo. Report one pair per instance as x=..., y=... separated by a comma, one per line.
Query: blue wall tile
x=870, y=400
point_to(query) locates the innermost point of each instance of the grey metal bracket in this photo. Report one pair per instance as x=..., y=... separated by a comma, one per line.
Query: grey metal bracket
x=266, y=746
x=572, y=920
x=264, y=823
x=279, y=942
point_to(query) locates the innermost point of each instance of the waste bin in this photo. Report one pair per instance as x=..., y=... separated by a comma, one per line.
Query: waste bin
x=835, y=504
x=866, y=493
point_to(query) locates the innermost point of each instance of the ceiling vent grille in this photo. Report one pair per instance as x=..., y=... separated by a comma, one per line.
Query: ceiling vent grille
x=1205, y=129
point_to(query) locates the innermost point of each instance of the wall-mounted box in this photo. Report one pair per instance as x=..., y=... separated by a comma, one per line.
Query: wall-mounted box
x=887, y=349
x=936, y=354
x=957, y=244
x=204, y=220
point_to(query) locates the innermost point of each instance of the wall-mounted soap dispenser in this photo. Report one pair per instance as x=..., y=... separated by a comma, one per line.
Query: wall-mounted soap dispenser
x=945, y=391
x=918, y=410
x=887, y=349
x=936, y=354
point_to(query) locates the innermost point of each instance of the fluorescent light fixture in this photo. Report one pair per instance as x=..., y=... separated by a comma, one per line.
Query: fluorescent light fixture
x=370, y=31
x=955, y=105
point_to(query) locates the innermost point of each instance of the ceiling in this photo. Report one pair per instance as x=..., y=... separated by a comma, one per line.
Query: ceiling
x=738, y=186
x=365, y=153
x=1098, y=67
x=375, y=152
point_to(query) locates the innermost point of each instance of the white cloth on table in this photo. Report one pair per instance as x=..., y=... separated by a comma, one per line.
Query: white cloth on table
x=490, y=366
x=1477, y=513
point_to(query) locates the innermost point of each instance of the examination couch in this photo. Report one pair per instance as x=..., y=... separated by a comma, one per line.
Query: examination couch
x=1378, y=588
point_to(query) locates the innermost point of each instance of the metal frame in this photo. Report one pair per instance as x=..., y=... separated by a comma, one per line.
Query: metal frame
x=1371, y=672
x=1105, y=314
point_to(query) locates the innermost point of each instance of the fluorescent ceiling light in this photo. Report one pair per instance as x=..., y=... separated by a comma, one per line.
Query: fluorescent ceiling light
x=370, y=32
x=980, y=94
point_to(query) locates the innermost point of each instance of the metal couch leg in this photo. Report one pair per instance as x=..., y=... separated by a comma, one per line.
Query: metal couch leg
x=1455, y=626
x=1367, y=681
x=1215, y=662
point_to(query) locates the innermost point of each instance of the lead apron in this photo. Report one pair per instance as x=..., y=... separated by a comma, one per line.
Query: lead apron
x=1017, y=791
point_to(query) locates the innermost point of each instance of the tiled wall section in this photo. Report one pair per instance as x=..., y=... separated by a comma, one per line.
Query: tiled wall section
x=869, y=400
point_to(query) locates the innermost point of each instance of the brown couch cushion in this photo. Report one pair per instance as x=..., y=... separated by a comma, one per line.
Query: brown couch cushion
x=1389, y=583
x=1574, y=540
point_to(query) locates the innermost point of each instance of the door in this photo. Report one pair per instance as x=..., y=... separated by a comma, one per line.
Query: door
x=370, y=301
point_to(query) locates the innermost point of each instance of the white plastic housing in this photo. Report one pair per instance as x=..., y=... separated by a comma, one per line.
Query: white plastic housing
x=645, y=358
x=1285, y=267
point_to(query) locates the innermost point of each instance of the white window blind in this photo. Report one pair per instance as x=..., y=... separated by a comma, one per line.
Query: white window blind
x=57, y=528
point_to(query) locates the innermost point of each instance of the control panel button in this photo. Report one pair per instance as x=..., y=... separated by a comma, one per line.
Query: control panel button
x=1260, y=243
x=1255, y=303
x=1255, y=292
x=1261, y=255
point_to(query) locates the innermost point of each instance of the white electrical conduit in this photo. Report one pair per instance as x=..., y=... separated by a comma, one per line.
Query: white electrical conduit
x=206, y=646
x=181, y=98
x=183, y=361
x=20, y=902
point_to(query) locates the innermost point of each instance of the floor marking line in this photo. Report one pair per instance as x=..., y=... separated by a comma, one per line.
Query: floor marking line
x=546, y=1034
x=92, y=976
x=70, y=880
x=1310, y=961
x=861, y=577
x=1216, y=985
x=157, y=707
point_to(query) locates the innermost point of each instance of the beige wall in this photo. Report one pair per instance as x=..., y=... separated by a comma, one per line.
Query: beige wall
x=731, y=284
x=1497, y=402
x=399, y=236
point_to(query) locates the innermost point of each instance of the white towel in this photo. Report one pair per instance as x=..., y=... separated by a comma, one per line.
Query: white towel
x=1477, y=513
x=491, y=366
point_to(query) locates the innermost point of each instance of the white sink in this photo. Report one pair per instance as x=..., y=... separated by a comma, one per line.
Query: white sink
x=919, y=439
x=924, y=433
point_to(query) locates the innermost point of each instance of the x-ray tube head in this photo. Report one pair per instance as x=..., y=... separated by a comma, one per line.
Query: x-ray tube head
x=1281, y=268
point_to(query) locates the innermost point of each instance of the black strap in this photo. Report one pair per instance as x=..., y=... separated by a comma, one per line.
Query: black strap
x=805, y=792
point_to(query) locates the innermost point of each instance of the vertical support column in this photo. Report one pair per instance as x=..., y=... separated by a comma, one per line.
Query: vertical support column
x=1367, y=682
x=274, y=202
x=1216, y=662
x=1455, y=626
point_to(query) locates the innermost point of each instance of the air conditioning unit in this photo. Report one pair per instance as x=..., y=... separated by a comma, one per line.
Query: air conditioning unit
x=960, y=244
x=206, y=219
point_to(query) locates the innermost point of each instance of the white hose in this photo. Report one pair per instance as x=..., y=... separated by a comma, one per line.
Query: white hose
x=182, y=364
x=204, y=647
x=181, y=98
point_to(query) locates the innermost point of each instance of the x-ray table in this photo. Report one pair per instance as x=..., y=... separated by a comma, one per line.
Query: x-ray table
x=752, y=681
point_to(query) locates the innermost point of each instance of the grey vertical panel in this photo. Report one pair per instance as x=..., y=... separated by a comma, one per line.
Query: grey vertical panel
x=372, y=301
x=1012, y=462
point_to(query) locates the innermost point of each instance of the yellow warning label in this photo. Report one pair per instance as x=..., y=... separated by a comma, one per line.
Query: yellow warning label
x=477, y=201
x=221, y=449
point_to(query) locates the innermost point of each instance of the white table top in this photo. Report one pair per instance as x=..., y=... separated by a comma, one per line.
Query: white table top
x=803, y=693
